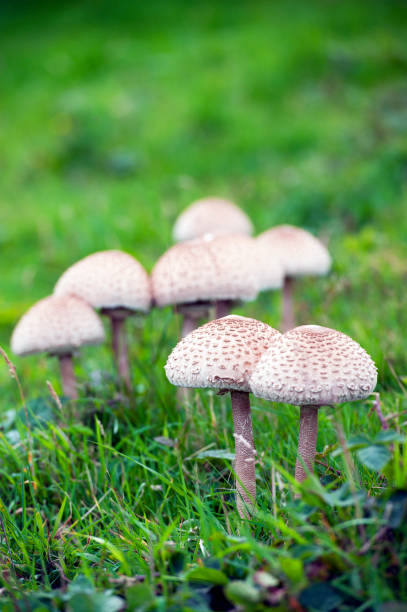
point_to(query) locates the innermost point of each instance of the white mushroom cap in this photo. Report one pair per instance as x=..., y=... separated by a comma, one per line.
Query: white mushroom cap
x=214, y=268
x=108, y=279
x=211, y=215
x=270, y=269
x=221, y=354
x=313, y=365
x=300, y=252
x=57, y=325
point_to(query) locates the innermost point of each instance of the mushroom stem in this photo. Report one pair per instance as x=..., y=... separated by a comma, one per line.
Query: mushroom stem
x=307, y=441
x=244, y=454
x=222, y=308
x=189, y=323
x=119, y=345
x=288, y=309
x=68, y=376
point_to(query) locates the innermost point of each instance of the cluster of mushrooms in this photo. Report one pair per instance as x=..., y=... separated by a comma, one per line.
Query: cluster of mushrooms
x=214, y=265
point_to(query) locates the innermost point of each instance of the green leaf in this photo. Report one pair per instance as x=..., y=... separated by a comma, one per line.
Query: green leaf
x=139, y=596
x=374, y=457
x=242, y=592
x=320, y=597
x=293, y=569
x=216, y=454
x=389, y=436
x=207, y=574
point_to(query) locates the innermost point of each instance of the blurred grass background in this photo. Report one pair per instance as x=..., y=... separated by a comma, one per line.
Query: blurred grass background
x=115, y=116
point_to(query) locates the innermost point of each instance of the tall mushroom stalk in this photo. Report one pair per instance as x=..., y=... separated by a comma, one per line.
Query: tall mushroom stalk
x=117, y=284
x=245, y=453
x=312, y=366
x=58, y=326
x=222, y=354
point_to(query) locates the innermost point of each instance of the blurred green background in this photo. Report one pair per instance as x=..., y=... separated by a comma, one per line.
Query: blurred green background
x=115, y=116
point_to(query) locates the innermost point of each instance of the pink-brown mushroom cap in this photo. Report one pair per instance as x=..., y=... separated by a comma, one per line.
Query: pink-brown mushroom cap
x=211, y=216
x=221, y=354
x=208, y=269
x=108, y=279
x=57, y=325
x=299, y=252
x=314, y=365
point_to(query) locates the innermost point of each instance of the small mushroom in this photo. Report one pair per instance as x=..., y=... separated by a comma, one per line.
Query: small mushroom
x=313, y=366
x=58, y=326
x=211, y=216
x=194, y=275
x=300, y=254
x=117, y=284
x=222, y=355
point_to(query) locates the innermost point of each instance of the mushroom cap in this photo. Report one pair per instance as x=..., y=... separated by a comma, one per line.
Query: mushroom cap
x=270, y=268
x=108, y=279
x=314, y=365
x=211, y=215
x=212, y=268
x=221, y=354
x=300, y=252
x=57, y=324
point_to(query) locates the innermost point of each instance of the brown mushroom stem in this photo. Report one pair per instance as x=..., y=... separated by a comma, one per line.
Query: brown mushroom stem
x=245, y=453
x=119, y=345
x=68, y=376
x=288, y=308
x=307, y=441
x=222, y=308
x=189, y=323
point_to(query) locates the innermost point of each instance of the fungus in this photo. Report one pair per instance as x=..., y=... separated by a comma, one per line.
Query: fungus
x=222, y=355
x=58, y=326
x=313, y=366
x=117, y=284
x=300, y=254
x=195, y=274
x=211, y=216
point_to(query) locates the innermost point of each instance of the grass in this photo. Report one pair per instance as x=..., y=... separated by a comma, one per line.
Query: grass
x=114, y=117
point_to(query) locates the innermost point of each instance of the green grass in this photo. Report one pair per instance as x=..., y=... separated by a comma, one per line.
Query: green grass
x=113, y=118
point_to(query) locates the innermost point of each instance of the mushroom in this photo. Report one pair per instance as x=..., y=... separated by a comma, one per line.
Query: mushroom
x=313, y=366
x=195, y=274
x=117, y=284
x=58, y=326
x=222, y=355
x=211, y=216
x=300, y=254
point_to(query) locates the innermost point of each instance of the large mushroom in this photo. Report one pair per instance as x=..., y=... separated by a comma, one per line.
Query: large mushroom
x=313, y=366
x=118, y=285
x=211, y=216
x=300, y=254
x=223, y=354
x=194, y=275
x=58, y=326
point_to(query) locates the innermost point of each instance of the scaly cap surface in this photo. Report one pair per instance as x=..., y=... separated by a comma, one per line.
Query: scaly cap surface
x=211, y=216
x=213, y=268
x=221, y=354
x=108, y=279
x=57, y=325
x=313, y=365
x=300, y=252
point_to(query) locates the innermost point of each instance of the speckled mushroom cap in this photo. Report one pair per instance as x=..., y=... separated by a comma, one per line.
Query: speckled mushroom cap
x=208, y=269
x=270, y=269
x=57, y=325
x=300, y=252
x=108, y=279
x=211, y=215
x=221, y=354
x=313, y=365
